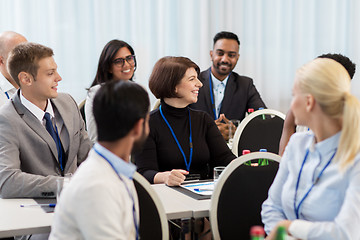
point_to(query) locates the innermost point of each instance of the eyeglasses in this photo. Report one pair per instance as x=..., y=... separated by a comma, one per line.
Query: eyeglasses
x=121, y=61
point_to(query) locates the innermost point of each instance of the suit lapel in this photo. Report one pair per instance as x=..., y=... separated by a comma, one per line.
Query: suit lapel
x=230, y=90
x=34, y=123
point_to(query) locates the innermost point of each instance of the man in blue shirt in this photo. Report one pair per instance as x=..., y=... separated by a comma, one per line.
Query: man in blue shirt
x=101, y=201
x=225, y=94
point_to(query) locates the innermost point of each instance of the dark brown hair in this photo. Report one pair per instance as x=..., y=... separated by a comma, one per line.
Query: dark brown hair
x=25, y=57
x=167, y=74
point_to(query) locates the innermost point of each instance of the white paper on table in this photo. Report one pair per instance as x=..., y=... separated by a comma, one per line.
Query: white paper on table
x=202, y=188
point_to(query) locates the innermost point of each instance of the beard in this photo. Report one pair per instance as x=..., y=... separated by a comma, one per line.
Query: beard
x=138, y=144
x=221, y=71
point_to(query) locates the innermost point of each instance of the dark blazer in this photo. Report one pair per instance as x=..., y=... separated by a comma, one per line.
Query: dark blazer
x=240, y=95
x=28, y=156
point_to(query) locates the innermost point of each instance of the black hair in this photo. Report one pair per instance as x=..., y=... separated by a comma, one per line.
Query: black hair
x=106, y=59
x=117, y=106
x=343, y=60
x=226, y=35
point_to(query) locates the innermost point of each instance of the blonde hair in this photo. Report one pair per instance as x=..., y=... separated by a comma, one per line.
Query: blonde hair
x=329, y=83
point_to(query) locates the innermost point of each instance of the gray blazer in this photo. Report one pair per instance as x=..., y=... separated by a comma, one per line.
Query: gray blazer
x=28, y=156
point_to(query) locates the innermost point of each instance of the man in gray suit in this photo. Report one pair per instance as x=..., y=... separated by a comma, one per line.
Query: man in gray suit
x=42, y=133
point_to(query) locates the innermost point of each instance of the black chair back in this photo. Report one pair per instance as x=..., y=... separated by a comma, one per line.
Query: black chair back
x=240, y=197
x=261, y=129
x=153, y=222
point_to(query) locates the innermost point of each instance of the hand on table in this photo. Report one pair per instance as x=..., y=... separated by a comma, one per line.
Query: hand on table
x=171, y=178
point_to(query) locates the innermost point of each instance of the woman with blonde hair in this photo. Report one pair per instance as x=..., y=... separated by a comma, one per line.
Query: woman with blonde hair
x=316, y=192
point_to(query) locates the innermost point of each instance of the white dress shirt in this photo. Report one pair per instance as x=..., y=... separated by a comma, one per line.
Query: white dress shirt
x=219, y=90
x=96, y=203
x=7, y=90
x=39, y=113
x=332, y=208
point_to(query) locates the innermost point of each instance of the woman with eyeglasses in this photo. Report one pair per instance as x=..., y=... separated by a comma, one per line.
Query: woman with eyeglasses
x=117, y=62
x=316, y=192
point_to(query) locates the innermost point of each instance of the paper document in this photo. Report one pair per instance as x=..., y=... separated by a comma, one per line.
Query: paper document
x=202, y=188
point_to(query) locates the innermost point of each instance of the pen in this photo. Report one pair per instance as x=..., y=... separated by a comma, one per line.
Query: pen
x=38, y=205
x=202, y=190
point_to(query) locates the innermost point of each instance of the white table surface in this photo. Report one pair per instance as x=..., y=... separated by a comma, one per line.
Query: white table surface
x=178, y=205
x=16, y=220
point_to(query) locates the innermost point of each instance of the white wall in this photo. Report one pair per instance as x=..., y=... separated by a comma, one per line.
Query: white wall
x=277, y=36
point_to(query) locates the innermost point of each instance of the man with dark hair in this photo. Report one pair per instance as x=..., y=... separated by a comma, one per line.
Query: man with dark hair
x=290, y=127
x=8, y=40
x=101, y=201
x=343, y=60
x=226, y=94
x=42, y=136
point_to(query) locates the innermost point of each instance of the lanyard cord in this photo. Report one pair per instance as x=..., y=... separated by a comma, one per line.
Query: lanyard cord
x=212, y=97
x=130, y=195
x=7, y=95
x=187, y=164
x=297, y=208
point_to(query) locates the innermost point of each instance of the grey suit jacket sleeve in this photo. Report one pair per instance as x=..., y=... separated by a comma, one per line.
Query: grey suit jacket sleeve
x=13, y=181
x=85, y=142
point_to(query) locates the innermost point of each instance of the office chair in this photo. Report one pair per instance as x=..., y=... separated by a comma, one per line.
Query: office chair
x=153, y=220
x=260, y=129
x=238, y=195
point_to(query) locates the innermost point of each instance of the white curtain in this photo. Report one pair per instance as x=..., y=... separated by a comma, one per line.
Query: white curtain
x=277, y=36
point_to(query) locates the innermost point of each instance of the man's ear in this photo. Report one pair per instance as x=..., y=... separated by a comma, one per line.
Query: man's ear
x=310, y=102
x=2, y=62
x=138, y=128
x=25, y=78
x=211, y=54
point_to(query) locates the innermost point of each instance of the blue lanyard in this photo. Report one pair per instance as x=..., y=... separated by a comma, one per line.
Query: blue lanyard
x=130, y=195
x=7, y=95
x=212, y=96
x=187, y=164
x=297, y=209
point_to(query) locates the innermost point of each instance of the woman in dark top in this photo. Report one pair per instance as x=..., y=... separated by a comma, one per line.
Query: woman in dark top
x=168, y=154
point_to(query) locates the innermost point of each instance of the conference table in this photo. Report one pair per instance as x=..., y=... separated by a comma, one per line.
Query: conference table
x=16, y=220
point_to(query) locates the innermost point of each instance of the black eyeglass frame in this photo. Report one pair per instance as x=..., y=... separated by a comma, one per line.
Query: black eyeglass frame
x=121, y=61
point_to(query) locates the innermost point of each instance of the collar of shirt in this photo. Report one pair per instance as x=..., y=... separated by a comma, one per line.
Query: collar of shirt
x=217, y=83
x=327, y=145
x=5, y=85
x=38, y=113
x=120, y=166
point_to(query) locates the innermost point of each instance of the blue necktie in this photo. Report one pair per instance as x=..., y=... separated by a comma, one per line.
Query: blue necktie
x=54, y=134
